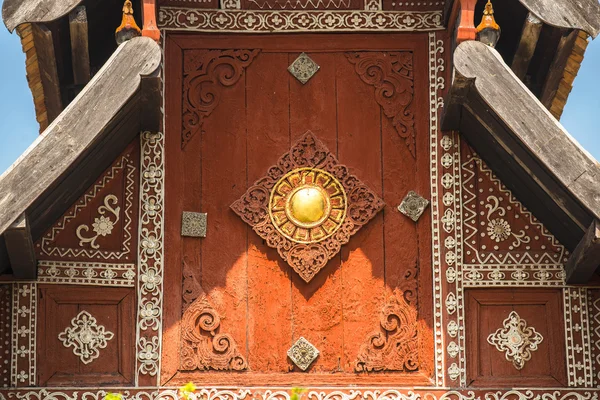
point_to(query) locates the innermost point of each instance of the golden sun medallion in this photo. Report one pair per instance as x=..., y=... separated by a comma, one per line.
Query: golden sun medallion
x=307, y=205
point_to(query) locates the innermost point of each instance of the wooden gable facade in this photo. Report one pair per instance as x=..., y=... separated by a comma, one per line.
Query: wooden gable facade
x=307, y=205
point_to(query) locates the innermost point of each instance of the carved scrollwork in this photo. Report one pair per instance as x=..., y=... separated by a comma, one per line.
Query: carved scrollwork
x=395, y=347
x=103, y=225
x=342, y=202
x=202, y=347
x=391, y=74
x=202, y=87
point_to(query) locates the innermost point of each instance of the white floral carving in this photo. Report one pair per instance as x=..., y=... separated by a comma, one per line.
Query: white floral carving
x=498, y=229
x=516, y=340
x=86, y=337
x=102, y=225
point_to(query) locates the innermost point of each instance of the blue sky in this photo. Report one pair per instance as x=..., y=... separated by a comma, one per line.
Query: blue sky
x=18, y=127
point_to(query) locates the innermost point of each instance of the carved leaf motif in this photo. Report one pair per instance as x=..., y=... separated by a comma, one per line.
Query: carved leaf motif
x=391, y=74
x=308, y=259
x=202, y=88
x=191, y=287
x=202, y=347
x=395, y=347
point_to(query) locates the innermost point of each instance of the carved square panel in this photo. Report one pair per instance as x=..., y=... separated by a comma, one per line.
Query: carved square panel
x=303, y=68
x=308, y=206
x=193, y=224
x=516, y=337
x=86, y=335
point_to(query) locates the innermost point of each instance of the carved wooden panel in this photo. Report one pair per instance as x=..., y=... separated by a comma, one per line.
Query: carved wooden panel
x=594, y=320
x=515, y=337
x=505, y=244
x=348, y=310
x=86, y=336
x=5, y=334
x=102, y=224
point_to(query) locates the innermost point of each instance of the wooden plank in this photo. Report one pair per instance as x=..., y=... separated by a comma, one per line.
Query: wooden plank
x=269, y=291
x=527, y=44
x=557, y=68
x=17, y=12
x=313, y=107
x=536, y=132
x=19, y=245
x=77, y=130
x=363, y=258
x=222, y=160
x=571, y=14
x=151, y=118
x=585, y=260
x=46, y=59
x=173, y=208
x=80, y=53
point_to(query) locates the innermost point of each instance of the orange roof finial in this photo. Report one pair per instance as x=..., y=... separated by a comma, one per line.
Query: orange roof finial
x=128, y=28
x=488, y=30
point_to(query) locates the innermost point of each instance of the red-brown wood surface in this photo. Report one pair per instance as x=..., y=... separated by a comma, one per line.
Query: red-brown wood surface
x=74, y=237
x=113, y=308
x=263, y=305
x=541, y=309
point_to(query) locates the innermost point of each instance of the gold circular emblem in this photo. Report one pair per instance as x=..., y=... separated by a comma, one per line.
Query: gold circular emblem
x=308, y=205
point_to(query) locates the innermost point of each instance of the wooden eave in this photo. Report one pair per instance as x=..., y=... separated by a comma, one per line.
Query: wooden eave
x=523, y=143
x=17, y=12
x=121, y=100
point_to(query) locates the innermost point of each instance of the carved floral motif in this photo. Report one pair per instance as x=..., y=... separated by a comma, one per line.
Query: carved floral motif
x=308, y=257
x=86, y=337
x=202, y=347
x=102, y=225
x=303, y=68
x=202, y=88
x=516, y=340
x=396, y=346
x=303, y=353
x=391, y=74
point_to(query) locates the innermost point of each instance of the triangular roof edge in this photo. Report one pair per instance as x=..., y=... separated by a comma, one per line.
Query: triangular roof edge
x=487, y=99
x=77, y=129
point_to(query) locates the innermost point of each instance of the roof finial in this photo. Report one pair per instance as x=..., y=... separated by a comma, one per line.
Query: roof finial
x=488, y=31
x=128, y=28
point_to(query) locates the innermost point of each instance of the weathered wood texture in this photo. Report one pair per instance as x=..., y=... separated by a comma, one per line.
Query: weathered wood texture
x=42, y=73
x=265, y=304
x=520, y=139
x=78, y=132
x=569, y=74
x=21, y=252
x=577, y=14
x=529, y=39
x=80, y=53
x=585, y=260
x=17, y=12
x=557, y=68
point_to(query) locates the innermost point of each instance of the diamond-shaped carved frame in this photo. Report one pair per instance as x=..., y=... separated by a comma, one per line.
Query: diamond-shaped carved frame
x=309, y=257
x=303, y=68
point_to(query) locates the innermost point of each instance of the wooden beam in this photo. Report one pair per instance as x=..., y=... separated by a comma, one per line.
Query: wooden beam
x=46, y=59
x=557, y=68
x=21, y=252
x=17, y=12
x=149, y=16
x=66, y=142
x=585, y=260
x=78, y=26
x=466, y=27
x=569, y=14
x=527, y=44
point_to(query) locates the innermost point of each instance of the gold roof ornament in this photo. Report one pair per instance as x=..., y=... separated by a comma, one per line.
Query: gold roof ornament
x=488, y=31
x=128, y=28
